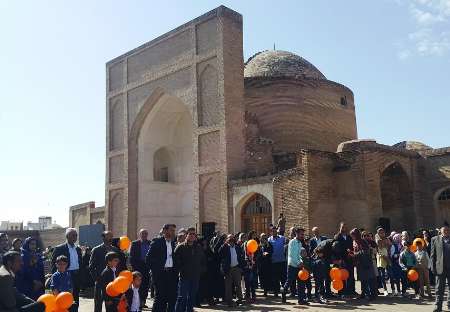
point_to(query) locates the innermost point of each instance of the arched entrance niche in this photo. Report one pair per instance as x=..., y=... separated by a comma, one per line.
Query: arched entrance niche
x=256, y=214
x=164, y=165
x=396, y=198
x=442, y=203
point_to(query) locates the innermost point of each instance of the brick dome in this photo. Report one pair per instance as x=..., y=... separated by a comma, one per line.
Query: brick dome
x=276, y=63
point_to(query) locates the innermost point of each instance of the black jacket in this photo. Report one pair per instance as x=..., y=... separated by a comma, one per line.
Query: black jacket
x=157, y=255
x=106, y=277
x=313, y=243
x=189, y=260
x=345, y=244
x=129, y=298
x=225, y=257
x=135, y=257
x=97, y=262
x=63, y=250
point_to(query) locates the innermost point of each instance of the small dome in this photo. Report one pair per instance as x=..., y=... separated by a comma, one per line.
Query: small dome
x=280, y=64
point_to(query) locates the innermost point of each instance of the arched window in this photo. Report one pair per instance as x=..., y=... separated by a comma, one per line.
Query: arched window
x=162, y=166
x=444, y=205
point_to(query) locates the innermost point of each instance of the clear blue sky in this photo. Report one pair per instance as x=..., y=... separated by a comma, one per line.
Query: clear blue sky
x=393, y=54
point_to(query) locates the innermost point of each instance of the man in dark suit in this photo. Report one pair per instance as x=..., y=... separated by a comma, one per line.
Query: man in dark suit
x=73, y=254
x=160, y=261
x=138, y=252
x=232, y=265
x=346, y=243
x=440, y=265
x=11, y=300
x=97, y=264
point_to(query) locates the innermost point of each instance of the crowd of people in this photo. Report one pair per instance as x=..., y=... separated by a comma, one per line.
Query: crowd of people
x=181, y=270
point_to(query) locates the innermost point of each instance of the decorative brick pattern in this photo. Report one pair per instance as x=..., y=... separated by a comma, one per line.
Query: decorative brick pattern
x=116, y=169
x=117, y=123
x=209, y=111
x=209, y=149
x=116, y=76
x=206, y=34
x=116, y=213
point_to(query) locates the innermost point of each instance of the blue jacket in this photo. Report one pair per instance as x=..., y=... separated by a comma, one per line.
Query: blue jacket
x=294, y=253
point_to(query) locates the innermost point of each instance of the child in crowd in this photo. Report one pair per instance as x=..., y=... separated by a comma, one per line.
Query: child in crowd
x=407, y=262
x=61, y=280
x=108, y=275
x=423, y=265
x=307, y=265
x=382, y=258
x=132, y=294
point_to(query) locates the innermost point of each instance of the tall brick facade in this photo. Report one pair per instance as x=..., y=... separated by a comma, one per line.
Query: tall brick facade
x=193, y=134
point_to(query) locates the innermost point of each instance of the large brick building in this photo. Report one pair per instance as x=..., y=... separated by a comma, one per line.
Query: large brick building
x=197, y=137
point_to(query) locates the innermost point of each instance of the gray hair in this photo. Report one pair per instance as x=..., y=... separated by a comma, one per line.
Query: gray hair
x=70, y=230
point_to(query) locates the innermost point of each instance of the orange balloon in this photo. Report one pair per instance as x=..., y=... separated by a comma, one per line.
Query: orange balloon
x=337, y=284
x=127, y=274
x=413, y=275
x=124, y=243
x=335, y=274
x=252, y=246
x=49, y=301
x=424, y=244
x=121, y=284
x=344, y=274
x=303, y=275
x=64, y=300
x=111, y=290
x=413, y=248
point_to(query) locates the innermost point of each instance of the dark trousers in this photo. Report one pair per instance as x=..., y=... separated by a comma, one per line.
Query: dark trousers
x=98, y=299
x=251, y=282
x=292, y=276
x=165, y=290
x=441, y=280
x=33, y=307
x=322, y=278
x=76, y=282
x=278, y=272
x=349, y=284
x=187, y=295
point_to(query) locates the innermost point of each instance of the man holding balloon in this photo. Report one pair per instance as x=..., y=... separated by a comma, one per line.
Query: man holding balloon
x=294, y=272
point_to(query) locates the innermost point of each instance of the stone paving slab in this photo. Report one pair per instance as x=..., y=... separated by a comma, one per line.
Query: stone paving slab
x=385, y=304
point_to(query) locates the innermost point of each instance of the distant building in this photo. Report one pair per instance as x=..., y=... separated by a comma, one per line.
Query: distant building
x=11, y=226
x=85, y=214
x=44, y=223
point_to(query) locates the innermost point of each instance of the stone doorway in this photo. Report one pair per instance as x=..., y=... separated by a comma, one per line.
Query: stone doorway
x=256, y=214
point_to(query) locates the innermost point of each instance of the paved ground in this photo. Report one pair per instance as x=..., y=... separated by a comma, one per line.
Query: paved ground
x=385, y=304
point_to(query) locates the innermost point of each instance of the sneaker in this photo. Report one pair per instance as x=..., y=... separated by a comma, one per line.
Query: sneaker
x=386, y=293
x=322, y=300
x=303, y=302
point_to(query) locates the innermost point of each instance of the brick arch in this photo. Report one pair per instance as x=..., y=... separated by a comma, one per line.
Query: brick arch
x=117, y=122
x=155, y=97
x=397, y=201
x=441, y=215
x=241, y=203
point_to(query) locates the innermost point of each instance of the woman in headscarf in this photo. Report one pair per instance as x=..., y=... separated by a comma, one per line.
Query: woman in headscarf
x=30, y=279
x=264, y=263
x=395, y=269
x=361, y=255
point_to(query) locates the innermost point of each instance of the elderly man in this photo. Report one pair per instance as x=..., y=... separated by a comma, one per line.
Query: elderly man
x=440, y=265
x=138, y=252
x=10, y=299
x=97, y=264
x=73, y=254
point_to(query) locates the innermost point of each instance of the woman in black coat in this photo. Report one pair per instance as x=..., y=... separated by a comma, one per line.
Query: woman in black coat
x=264, y=263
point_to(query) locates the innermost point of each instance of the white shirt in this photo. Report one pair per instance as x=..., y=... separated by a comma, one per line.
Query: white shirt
x=169, y=260
x=74, y=265
x=136, y=302
x=233, y=257
x=114, y=272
